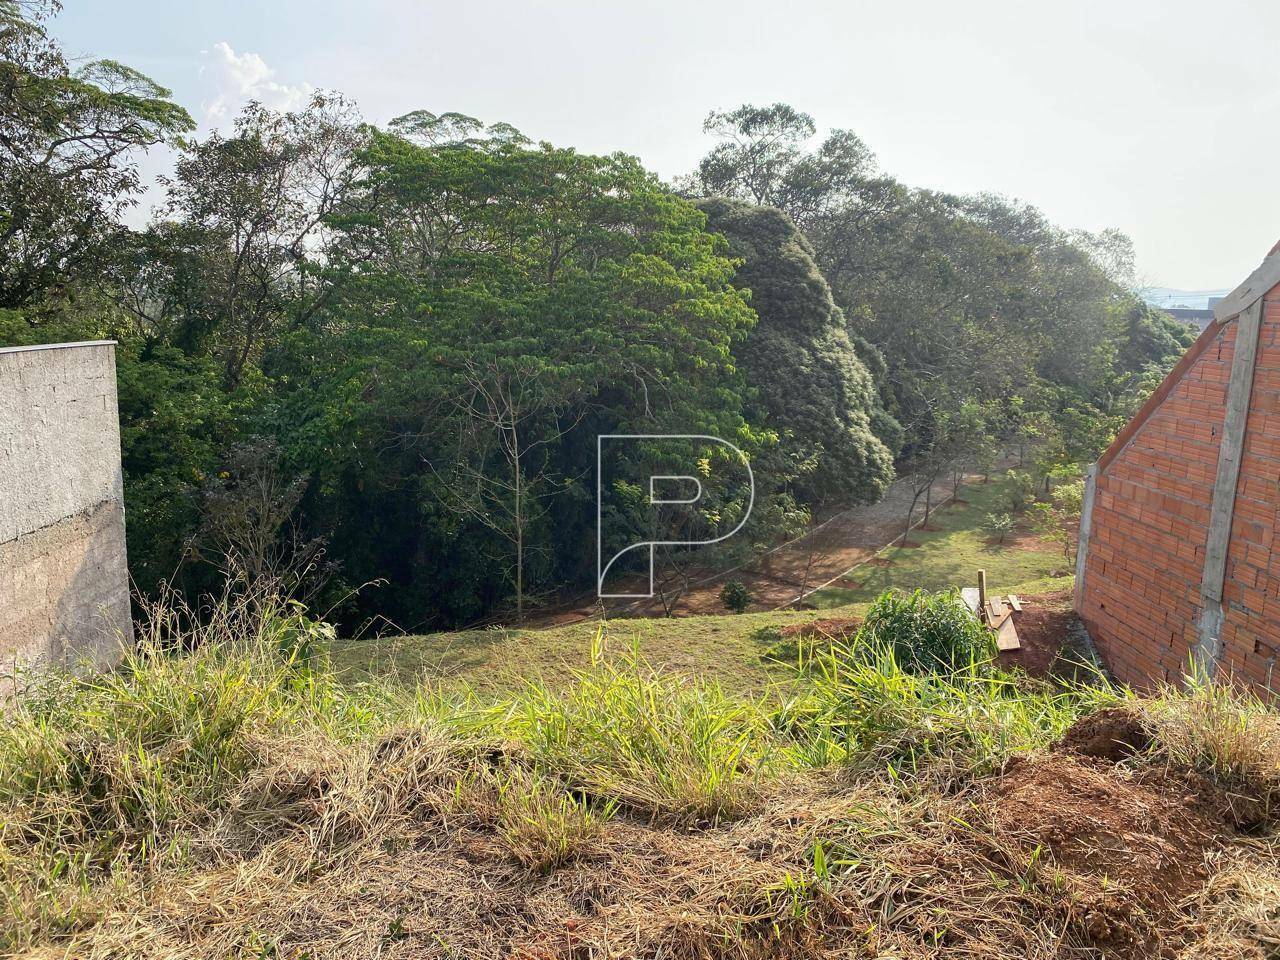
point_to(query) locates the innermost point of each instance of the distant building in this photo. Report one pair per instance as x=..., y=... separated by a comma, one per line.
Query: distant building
x=1201, y=318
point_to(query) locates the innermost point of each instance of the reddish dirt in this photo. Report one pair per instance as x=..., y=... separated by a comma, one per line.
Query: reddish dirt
x=1127, y=850
x=1045, y=630
x=835, y=628
x=1112, y=734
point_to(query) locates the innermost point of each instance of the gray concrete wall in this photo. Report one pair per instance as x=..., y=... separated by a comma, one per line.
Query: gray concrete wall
x=64, y=585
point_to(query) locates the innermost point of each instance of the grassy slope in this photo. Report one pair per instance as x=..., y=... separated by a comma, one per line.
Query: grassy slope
x=234, y=802
x=721, y=646
x=951, y=555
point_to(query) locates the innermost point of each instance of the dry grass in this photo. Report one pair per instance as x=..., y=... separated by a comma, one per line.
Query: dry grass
x=1223, y=731
x=238, y=801
x=544, y=824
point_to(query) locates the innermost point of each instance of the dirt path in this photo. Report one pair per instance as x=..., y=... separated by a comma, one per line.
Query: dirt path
x=793, y=570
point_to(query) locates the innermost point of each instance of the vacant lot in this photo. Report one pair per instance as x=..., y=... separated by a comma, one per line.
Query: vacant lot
x=724, y=646
x=243, y=801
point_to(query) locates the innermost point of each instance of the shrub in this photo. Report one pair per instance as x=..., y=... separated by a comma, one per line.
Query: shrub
x=1022, y=489
x=998, y=525
x=736, y=597
x=865, y=708
x=926, y=632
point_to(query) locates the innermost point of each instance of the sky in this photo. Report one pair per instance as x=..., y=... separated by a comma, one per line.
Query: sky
x=1158, y=117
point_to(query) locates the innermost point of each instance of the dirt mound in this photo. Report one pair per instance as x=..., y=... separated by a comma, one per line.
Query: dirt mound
x=1127, y=851
x=1111, y=734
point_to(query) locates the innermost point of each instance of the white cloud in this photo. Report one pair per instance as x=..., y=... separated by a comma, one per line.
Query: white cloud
x=233, y=79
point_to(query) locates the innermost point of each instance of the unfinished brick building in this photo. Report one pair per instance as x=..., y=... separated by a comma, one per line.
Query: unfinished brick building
x=1179, y=538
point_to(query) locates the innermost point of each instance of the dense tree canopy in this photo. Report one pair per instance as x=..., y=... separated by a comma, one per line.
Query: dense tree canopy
x=808, y=380
x=968, y=298
x=351, y=354
x=69, y=140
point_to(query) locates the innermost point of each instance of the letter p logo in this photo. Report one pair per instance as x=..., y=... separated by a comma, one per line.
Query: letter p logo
x=654, y=490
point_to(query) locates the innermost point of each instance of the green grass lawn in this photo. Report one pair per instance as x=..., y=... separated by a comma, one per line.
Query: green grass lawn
x=727, y=646
x=489, y=660
x=952, y=554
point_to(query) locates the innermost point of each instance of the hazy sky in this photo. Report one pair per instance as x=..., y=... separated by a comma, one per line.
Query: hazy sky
x=1160, y=118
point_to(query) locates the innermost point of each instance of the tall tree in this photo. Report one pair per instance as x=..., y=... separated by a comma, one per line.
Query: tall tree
x=69, y=142
x=239, y=257
x=809, y=382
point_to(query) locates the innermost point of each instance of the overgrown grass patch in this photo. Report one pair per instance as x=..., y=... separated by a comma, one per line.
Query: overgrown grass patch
x=662, y=743
x=214, y=798
x=956, y=546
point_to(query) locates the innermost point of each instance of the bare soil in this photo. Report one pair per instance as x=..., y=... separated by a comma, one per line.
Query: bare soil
x=1060, y=855
x=1048, y=634
x=1128, y=852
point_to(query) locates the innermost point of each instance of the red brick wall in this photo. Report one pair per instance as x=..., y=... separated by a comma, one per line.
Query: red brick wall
x=1251, y=591
x=1145, y=560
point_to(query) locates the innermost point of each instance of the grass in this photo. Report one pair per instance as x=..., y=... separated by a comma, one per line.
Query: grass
x=246, y=799
x=950, y=555
x=668, y=745
x=727, y=647
x=545, y=825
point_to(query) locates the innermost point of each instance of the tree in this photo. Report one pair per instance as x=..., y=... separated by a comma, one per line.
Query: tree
x=241, y=255
x=497, y=305
x=977, y=296
x=508, y=412
x=808, y=378
x=69, y=141
x=759, y=146
x=250, y=525
x=1058, y=519
x=999, y=525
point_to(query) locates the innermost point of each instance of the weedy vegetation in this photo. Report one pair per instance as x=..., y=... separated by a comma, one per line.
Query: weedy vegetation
x=226, y=793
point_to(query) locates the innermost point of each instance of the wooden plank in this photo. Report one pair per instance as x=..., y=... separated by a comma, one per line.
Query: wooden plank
x=1007, y=636
x=1234, y=421
x=1015, y=602
x=970, y=597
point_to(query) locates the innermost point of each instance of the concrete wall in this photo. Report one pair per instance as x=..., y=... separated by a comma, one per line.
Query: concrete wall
x=64, y=588
x=1142, y=593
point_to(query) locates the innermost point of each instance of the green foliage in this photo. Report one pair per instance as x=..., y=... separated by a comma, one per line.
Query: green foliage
x=544, y=825
x=1021, y=487
x=866, y=708
x=69, y=141
x=807, y=377
x=999, y=525
x=736, y=597
x=1058, y=519
x=926, y=632
x=666, y=745
x=968, y=298
x=495, y=343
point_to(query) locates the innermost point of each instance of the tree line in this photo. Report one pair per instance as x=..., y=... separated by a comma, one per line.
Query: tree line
x=354, y=354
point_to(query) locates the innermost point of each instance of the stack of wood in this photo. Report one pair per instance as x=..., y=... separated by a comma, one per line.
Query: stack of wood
x=996, y=612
